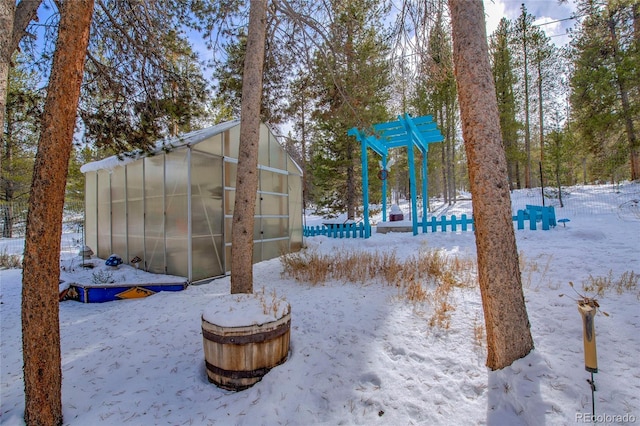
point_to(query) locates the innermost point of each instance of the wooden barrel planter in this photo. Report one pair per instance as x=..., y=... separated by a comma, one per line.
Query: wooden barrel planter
x=241, y=342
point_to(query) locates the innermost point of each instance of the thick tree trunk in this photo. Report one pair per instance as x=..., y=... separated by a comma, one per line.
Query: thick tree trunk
x=506, y=320
x=40, y=306
x=247, y=178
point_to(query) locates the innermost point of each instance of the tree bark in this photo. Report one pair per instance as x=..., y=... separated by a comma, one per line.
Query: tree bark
x=506, y=320
x=7, y=15
x=41, y=269
x=247, y=177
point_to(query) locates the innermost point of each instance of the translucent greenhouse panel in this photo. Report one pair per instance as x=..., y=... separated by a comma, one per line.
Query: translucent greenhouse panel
x=119, y=213
x=230, y=173
x=135, y=210
x=177, y=216
x=177, y=257
x=275, y=227
x=277, y=155
x=292, y=167
x=208, y=260
x=263, y=146
x=227, y=229
x=229, y=200
x=104, y=215
x=206, y=195
x=207, y=216
x=91, y=210
x=231, y=139
x=213, y=145
x=227, y=254
x=154, y=213
x=295, y=212
x=274, y=205
x=273, y=182
x=271, y=249
x=257, y=229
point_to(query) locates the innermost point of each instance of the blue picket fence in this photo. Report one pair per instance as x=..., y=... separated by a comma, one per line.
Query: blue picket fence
x=338, y=230
x=452, y=223
x=532, y=214
x=546, y=215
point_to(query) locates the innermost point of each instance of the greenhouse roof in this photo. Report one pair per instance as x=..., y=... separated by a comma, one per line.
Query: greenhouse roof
x=165, y=144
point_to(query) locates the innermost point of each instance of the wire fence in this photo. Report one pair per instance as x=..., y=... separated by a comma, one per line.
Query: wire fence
x=13, y=224
x=622, y=199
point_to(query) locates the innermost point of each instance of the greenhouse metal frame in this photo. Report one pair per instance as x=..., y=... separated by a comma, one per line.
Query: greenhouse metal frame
x=173, y=207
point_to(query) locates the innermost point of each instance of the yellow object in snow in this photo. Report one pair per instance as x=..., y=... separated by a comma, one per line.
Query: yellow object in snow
x=588, y=312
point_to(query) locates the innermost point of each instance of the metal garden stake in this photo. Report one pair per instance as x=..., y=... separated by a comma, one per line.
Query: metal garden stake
x=588, y=308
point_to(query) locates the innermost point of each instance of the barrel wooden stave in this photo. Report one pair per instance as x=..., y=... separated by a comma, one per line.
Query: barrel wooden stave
x=238, y=357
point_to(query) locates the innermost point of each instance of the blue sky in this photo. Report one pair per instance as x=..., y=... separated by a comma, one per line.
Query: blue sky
x=546, y=12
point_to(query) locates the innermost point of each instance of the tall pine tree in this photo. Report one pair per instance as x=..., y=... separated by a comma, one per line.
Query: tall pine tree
x=351, y=77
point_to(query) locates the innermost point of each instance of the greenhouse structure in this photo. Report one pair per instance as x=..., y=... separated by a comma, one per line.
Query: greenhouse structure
x=172, y=209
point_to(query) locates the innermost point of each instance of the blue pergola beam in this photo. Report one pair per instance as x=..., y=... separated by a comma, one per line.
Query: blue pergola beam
x=396, y=131
x=418, y=121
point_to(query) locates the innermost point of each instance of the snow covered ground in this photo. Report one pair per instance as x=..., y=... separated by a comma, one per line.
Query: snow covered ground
x=360, y=354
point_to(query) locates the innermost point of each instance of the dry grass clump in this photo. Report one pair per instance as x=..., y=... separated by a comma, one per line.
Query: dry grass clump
x=307, y=266
x=529, y=268
x=413, y=276
x=414, y=292
x=627, y=282
x=449, y=275
x=272, y=304
x=10, y=261
x=479, y=332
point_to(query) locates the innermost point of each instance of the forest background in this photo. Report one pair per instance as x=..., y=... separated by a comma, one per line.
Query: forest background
x=567, y=86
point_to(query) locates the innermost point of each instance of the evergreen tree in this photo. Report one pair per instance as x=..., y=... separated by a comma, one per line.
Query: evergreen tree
x=605, y=83
x=436, y=95
x=24, y=106
x=277, y=72
x=524, y=29
x=142, y=79
x=300, y=109
x=22, y=124
x=351, y=78
x=504, y=80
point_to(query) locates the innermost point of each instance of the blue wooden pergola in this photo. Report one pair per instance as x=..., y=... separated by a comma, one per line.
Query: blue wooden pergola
x=408, y=132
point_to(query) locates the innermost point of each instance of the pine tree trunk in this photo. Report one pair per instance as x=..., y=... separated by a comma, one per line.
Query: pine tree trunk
x=527, y=131
x=506, y=320
x=247, y=178
x=40, y=306
x=7, y=12
x=627, y=115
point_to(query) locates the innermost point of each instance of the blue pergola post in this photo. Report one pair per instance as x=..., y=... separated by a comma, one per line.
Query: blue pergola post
x=406, y=131
x=412, y=187
x=384, y=190
x=425, y=191
x=365, y=190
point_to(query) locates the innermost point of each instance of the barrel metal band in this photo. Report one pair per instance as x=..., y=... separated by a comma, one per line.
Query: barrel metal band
x=246, y=374
x=249, y=338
